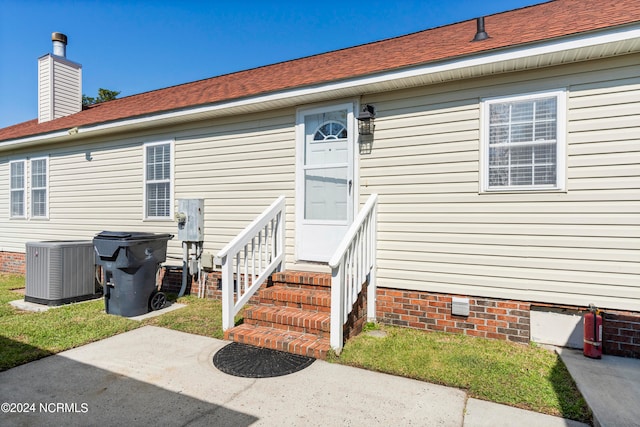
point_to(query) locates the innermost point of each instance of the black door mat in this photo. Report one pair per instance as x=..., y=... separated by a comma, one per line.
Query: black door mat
x=242, y=360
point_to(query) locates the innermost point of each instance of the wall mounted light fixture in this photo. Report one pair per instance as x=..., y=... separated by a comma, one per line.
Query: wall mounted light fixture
x=365, y=120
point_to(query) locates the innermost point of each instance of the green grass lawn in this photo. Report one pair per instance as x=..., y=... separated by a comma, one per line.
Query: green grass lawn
x=523, y=376
x=200, y=317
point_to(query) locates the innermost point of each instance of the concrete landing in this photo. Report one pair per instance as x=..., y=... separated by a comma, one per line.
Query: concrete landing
x=31, y=306
x=611, y=387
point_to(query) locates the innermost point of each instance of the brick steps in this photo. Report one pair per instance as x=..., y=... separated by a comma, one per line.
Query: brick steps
x=313, y=300
x=290, y=319
x=303, y=280
x=276, y=339
x=293, y=315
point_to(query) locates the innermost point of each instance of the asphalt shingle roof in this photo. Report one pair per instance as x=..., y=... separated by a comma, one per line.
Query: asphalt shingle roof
x=513, y=28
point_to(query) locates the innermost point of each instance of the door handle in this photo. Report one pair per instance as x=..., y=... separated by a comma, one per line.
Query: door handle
x=350, y=184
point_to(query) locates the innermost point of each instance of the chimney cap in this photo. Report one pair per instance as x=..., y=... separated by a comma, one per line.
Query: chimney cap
x=59, y=37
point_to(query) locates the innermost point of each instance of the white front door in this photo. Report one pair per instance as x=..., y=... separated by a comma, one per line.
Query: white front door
x=325, y=187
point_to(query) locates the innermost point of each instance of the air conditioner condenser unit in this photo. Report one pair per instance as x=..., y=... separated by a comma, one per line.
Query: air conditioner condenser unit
x=60, y=272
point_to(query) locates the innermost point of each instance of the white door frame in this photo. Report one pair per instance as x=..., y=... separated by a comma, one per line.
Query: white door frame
x=353, y=204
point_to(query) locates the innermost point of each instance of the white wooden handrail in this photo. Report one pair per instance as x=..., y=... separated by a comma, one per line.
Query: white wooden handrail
x=353, y=264
x=250, y=258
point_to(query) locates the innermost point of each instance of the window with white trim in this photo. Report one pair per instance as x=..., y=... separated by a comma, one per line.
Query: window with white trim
x=39, y=185
x=158, y=182
x=17, y=189
x=524, y=142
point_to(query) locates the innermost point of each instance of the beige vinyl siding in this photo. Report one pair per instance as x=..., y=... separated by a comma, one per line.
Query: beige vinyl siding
x=67, y=95
x=44, y=88
x=238, y=165
x=59, y=88
x=239, y=168
x=438, y=233
x=85, y=197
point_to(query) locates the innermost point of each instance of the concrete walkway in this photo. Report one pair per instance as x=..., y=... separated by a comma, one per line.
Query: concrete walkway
x=611, y=387
x=156, y=376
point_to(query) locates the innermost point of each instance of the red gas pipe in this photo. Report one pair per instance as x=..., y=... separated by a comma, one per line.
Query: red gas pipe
x=593, y=333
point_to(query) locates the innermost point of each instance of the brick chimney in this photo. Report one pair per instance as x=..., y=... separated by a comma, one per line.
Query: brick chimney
x=59, y=82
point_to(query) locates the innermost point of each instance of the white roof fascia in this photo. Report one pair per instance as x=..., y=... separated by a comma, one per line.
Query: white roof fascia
x=582, y=41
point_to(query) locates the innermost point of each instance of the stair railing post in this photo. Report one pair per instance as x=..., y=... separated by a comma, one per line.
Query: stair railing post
x=373, y=249
x=282, y=228
x=227, y=294
x=337, y=303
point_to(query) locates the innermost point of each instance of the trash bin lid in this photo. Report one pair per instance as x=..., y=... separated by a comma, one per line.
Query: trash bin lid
x=126, y=235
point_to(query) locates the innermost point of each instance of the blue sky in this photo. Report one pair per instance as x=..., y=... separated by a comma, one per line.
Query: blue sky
x=137, y=46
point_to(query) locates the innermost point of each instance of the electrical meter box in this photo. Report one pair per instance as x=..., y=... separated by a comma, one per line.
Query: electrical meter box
x=190, y=219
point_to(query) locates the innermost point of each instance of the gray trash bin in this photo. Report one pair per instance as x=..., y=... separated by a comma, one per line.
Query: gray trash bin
x=129, y=261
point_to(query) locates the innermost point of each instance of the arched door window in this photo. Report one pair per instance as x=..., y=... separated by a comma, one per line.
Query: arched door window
x=330, y=130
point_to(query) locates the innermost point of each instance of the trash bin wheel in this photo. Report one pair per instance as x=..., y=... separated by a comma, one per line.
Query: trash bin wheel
x=157, y=300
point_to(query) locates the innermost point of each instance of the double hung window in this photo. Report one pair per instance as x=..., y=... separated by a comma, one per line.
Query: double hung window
x=39, y=188
x=523, y=144
x=29, y=178
x=158, y=174
x=18, y=183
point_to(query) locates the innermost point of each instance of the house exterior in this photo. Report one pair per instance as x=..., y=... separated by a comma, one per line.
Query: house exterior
x=507, y=169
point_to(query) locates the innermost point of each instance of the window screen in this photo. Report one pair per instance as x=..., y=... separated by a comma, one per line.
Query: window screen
x=158, y=180
x=523, y=143
x=17, y=188
x=39, y=188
